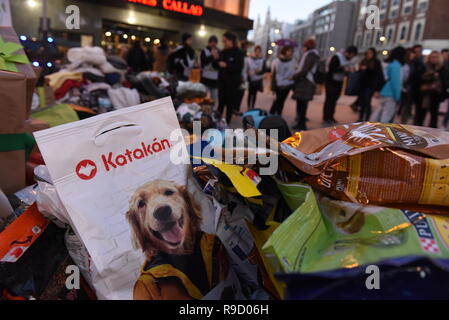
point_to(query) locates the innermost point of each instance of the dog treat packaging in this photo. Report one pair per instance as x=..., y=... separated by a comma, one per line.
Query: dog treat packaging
x=390, y=165
x=125, y=180
x=325, y=235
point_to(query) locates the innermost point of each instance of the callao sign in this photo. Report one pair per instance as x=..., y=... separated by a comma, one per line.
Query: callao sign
x=190, y=7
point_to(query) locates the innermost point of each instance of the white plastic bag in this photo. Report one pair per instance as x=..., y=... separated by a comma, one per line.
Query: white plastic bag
x=145, y=223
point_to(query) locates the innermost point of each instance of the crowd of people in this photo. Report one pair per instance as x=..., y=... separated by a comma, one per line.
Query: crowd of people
x=409, y=86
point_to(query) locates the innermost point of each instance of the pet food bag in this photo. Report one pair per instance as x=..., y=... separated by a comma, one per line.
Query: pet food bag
x=125, y=180
x=399, y=166
x=325, y=235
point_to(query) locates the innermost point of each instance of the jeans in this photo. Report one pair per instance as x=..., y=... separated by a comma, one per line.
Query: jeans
x=229, y=98
x=430, y=102
x=301, y=111
x=366, y=95
x=387, y=111
x=213, y=92
x=252, y=97
x=333, y=93
x=279, y=102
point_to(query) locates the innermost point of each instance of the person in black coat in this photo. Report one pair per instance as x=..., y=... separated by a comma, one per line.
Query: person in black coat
x=371, y=80
x=182, y=60
x=137, y=59
x=230, y=67
x=417, y=68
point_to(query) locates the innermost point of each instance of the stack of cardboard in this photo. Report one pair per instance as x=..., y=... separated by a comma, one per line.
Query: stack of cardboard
x=17, y=82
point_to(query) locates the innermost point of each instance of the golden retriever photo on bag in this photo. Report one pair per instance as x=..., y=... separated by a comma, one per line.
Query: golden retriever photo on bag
x=182, y=262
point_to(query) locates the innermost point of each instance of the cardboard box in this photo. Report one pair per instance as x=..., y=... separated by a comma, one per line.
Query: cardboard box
x=16, y=90
x=12, y=171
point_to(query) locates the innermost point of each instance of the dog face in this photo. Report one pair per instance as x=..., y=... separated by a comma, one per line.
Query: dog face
x=164, y=217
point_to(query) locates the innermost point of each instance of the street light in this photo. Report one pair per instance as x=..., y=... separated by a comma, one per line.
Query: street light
x=32, y=3
x=108, y=34
x=273, y=44
x=385, y=53
x=277, y=31
x=382, y=39
x=147, y=39
x=202, y=31
x=332, y=49
x=270, y=52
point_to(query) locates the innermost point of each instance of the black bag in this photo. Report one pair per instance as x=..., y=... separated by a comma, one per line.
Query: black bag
x=353, y=84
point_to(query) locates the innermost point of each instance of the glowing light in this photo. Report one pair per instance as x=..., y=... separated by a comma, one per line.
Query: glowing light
x=32, y=3
x=125, y=36
x=277, y=31
x=382, y=39
x=273, y=44
x=157, y=41
x=49, y=64
x=385, y=53
x=133, y=37
x=147, y=39
x=108, y=34
x=50, y=39
x=36, y=64
x=23, y=38
x=332, y=49
x=270, y=51
x=131, y=19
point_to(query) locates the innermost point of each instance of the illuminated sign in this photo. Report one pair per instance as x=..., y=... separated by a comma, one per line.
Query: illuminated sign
x=190, y=7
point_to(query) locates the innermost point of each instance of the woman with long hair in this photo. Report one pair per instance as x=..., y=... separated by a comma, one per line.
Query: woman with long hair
x=230, y=65
x=370, y=82
x=432, y=85
x=282, y=71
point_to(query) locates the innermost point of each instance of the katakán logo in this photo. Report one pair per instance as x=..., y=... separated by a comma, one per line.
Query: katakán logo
x=86, y=169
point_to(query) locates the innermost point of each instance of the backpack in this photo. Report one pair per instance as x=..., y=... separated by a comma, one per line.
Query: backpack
x=320, y=74
x=253, y=118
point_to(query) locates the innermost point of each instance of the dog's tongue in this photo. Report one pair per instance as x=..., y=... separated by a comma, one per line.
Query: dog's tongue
x=174, y=235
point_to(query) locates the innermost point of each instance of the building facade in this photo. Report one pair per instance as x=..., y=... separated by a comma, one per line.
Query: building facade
x=121, y=22
x=268, y=31
x=332, y=26
x=404, y=23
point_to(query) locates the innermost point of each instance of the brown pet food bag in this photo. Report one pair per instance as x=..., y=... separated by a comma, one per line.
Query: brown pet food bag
x=391, y=165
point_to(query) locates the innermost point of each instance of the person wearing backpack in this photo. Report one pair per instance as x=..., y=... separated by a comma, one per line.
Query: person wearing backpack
x=339, y=65
x=304, y=81
x=282, y=71
x=371, y=80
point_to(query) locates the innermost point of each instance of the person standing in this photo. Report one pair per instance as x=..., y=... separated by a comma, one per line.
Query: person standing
x=282, y=71
x=432, y=85
x=391, y=93
x=304, y=82
x=445, y=54
x=160, y=53
x=137, y=58
x=230, y=66
x=339, y=65
x=182, y=60
x=209, y=74
x=256, y=70
x=406, y=107
x=416, y=70
x=371, y=81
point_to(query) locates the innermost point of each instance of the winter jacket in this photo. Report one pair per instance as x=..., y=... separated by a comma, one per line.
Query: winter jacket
x=305, y=87
x=282, y=72
x=235, y=60
x=393, y=87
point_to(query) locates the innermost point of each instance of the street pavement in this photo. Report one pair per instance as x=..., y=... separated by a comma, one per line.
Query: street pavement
x=343, y=113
